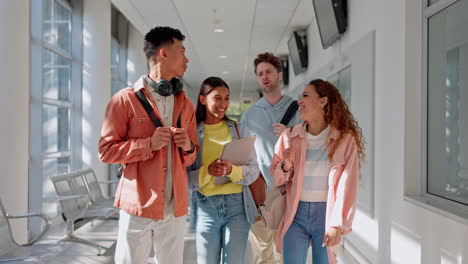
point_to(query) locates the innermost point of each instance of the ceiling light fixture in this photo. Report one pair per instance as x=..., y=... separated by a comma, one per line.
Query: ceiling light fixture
x=222, y=56
x=217, y=23
x=225, y=72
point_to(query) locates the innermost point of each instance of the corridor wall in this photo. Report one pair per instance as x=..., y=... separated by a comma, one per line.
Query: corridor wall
x=403, y=229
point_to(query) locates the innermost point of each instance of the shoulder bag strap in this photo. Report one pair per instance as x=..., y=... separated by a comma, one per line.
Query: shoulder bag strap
x=237, y=130
x=288, y=115
x=149, y=110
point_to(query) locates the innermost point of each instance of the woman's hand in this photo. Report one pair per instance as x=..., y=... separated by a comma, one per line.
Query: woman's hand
x=219, y=168
x=227, y=166
x=332, y=237
x=288, y=159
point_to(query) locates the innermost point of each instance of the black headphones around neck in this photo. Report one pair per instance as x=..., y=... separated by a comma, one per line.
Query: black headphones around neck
x=165, y=88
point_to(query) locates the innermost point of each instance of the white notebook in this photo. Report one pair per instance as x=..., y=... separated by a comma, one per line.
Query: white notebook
x=238, y=153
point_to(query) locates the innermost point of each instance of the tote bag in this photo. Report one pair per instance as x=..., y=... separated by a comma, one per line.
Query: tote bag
x=273, y=208
x=275, y=204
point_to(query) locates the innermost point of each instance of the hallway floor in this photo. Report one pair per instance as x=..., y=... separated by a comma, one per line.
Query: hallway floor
x=104, y=233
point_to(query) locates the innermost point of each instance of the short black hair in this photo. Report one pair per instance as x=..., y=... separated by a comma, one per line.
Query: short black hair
x=159, y=36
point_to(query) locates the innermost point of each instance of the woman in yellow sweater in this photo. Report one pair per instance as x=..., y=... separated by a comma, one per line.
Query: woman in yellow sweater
x=222, y=206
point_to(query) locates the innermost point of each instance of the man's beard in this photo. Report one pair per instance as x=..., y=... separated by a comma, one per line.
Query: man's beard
x=270, y=89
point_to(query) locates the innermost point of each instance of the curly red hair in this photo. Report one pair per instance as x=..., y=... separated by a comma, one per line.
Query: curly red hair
x=337, y=115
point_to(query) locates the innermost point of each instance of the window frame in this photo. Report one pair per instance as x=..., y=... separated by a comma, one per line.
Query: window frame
x=37, y=100
x=443, y=203
x=119, y=38
x=122, y=25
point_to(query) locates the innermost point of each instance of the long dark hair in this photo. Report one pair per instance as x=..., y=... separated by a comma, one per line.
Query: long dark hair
x=337, y=114
x=207, y=86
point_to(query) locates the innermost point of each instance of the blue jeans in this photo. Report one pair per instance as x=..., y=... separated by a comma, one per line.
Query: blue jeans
x=308, y=226
x=221, y=224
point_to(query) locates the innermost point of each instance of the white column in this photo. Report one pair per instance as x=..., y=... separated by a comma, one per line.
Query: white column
x=96, y=78
x=14, y=106
x=136, y=60
x=389, y=125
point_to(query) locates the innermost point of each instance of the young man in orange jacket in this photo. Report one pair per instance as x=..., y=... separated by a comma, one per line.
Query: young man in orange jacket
x=152, y=193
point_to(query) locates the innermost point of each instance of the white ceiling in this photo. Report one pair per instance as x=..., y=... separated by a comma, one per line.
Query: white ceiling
x=250, y=27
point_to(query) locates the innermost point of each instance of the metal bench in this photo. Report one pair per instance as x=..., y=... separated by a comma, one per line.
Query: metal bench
x=94, y=189
x=81, y=187
x=8, y=245
x=75, y=203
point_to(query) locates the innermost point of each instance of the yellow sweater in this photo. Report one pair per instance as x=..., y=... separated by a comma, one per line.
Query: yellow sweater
x=213, y=142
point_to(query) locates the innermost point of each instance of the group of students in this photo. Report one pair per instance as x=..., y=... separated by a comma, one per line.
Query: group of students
x=171, y=151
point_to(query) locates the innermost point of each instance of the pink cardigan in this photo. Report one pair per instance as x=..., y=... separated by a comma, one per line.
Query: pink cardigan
x=343, y=180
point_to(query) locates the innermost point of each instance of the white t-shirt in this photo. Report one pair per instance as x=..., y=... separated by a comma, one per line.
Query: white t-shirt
x=165, y=105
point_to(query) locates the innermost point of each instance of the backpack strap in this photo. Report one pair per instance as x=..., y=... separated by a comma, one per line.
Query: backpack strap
x=290, y=112
x=237, y=130
x=179, y=122
x=149, y=110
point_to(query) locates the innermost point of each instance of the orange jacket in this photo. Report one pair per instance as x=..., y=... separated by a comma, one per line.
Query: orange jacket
x=125, y=138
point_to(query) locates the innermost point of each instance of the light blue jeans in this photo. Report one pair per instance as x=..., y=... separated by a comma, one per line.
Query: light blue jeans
x=308, y=226
x=221, y=225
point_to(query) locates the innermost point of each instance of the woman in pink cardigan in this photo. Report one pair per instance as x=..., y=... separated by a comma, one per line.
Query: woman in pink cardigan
x=318, y=161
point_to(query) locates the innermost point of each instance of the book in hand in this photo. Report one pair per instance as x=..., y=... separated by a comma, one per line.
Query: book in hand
x=238, y=153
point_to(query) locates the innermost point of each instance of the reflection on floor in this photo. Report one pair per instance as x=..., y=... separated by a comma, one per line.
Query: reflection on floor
x=104, y=233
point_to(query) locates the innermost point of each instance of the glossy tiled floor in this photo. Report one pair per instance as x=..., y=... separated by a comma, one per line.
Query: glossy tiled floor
x=104, y=233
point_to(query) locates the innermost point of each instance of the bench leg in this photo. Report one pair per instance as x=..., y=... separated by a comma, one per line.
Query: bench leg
x=70, y=237
x=76, y=239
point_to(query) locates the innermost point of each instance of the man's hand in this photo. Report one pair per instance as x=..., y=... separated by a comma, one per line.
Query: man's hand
x=181, y=138
x=278, y=128
x=219, y=168
x=160, y=138
x=332, y=237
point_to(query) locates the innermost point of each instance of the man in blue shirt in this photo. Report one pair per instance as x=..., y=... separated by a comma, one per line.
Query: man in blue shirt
x=263, y=120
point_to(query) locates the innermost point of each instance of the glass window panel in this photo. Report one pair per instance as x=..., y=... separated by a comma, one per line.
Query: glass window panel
x=115, y=59
x=57, y=25
x=344, y=85
x=55, y=166
x=56, y=81
x=116, y=86
x=55, y=129
x=51, y=167
x=447, y=102
x=334, y=79
x=342, y=81
x=114, y=171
